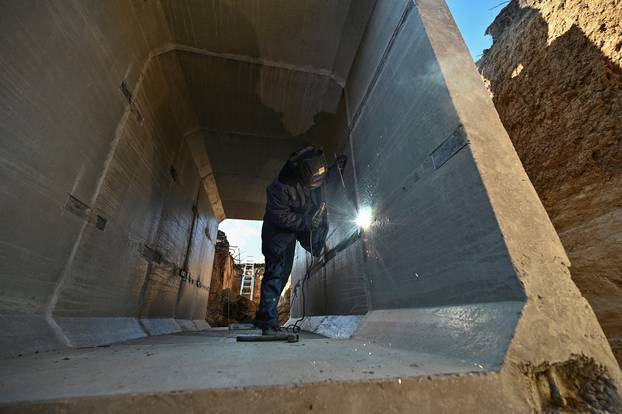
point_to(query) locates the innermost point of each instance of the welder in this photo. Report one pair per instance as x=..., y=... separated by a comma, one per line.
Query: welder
x=295, y=210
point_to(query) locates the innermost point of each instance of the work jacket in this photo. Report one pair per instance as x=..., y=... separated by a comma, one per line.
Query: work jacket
x=289, y=206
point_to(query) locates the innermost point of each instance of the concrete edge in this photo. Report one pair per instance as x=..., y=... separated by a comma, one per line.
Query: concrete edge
x=93, y=331
x=192, y=324
x=331, y=326
x=160, y=326
x=202, y=324
x=23, y=334
x=478, y=393
x=478, y=334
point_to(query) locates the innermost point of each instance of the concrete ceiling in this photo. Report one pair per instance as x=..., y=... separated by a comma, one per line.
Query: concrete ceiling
x=259, y=74
x=299, y=33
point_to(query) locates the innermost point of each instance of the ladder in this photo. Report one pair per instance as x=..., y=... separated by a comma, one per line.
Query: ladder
x=247, y=287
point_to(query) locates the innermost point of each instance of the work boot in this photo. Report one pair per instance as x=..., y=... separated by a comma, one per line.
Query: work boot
x=273, y=331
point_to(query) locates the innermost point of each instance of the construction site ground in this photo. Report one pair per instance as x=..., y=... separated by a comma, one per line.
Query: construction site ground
x=210, y=359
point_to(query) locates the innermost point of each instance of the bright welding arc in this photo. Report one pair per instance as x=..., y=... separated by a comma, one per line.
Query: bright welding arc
x=364, y=218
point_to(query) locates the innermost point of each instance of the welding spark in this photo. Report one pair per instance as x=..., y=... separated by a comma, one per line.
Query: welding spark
x=364, y=218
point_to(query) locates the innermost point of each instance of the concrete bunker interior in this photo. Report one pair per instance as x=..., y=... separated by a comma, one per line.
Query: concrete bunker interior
x=176, y=115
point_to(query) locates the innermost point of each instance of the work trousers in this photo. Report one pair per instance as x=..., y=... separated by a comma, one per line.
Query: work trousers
x=277, y=271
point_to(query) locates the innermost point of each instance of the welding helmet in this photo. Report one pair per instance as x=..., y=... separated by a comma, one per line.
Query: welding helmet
x=311, y=166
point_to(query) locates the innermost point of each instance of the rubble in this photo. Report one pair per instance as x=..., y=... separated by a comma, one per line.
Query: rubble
x=229, y=307
x=225, y=304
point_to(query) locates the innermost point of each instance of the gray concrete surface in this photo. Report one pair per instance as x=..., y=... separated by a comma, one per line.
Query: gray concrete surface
x=122, y=115
x=260, y=73
x=330, y=326
x=135, y=367
x=461, y=250
x=75, y=265
x=129, y=129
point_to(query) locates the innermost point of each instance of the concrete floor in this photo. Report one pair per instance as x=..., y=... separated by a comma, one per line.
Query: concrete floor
x=206, y=360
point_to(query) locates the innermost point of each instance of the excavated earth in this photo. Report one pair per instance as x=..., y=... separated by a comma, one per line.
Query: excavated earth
x=554, y=72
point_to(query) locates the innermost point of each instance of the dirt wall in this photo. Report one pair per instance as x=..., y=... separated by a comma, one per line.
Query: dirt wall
x=554, y=72
x=225, y=304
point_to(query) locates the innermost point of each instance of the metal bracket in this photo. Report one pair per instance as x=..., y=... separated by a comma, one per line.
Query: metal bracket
x=151, y=254
x=450, y=147
x=77, y=207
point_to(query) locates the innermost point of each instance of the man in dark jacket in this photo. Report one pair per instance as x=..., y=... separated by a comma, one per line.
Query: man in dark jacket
x=295, y=210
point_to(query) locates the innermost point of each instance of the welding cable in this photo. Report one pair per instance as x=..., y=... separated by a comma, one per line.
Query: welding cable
x=324, y=256
x=323, y=259
x=295, y=328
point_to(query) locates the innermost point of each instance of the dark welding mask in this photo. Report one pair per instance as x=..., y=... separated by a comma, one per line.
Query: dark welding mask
x=313, y=169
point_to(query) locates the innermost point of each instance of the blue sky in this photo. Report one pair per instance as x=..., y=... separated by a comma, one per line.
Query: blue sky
x=472, y=18
x=246, y=234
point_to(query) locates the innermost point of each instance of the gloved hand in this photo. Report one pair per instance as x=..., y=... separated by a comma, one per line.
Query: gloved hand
x=314, y=218
x=341, y=162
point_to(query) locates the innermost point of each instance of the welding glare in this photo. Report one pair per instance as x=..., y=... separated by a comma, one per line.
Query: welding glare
x=364, y=218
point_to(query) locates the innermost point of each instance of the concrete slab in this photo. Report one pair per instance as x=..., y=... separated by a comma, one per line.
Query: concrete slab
x=204, y=360
x=201, y=324
x=330, y=326
x=191, y=325
x=160, y=326
x=22, y=334
x=479, y=333
x=98, y=331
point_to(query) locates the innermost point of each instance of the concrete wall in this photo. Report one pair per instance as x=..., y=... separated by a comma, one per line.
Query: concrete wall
x=461, y=254
x=117, y=118
x=436, y=241
x=242, y=165
x=89, y=199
